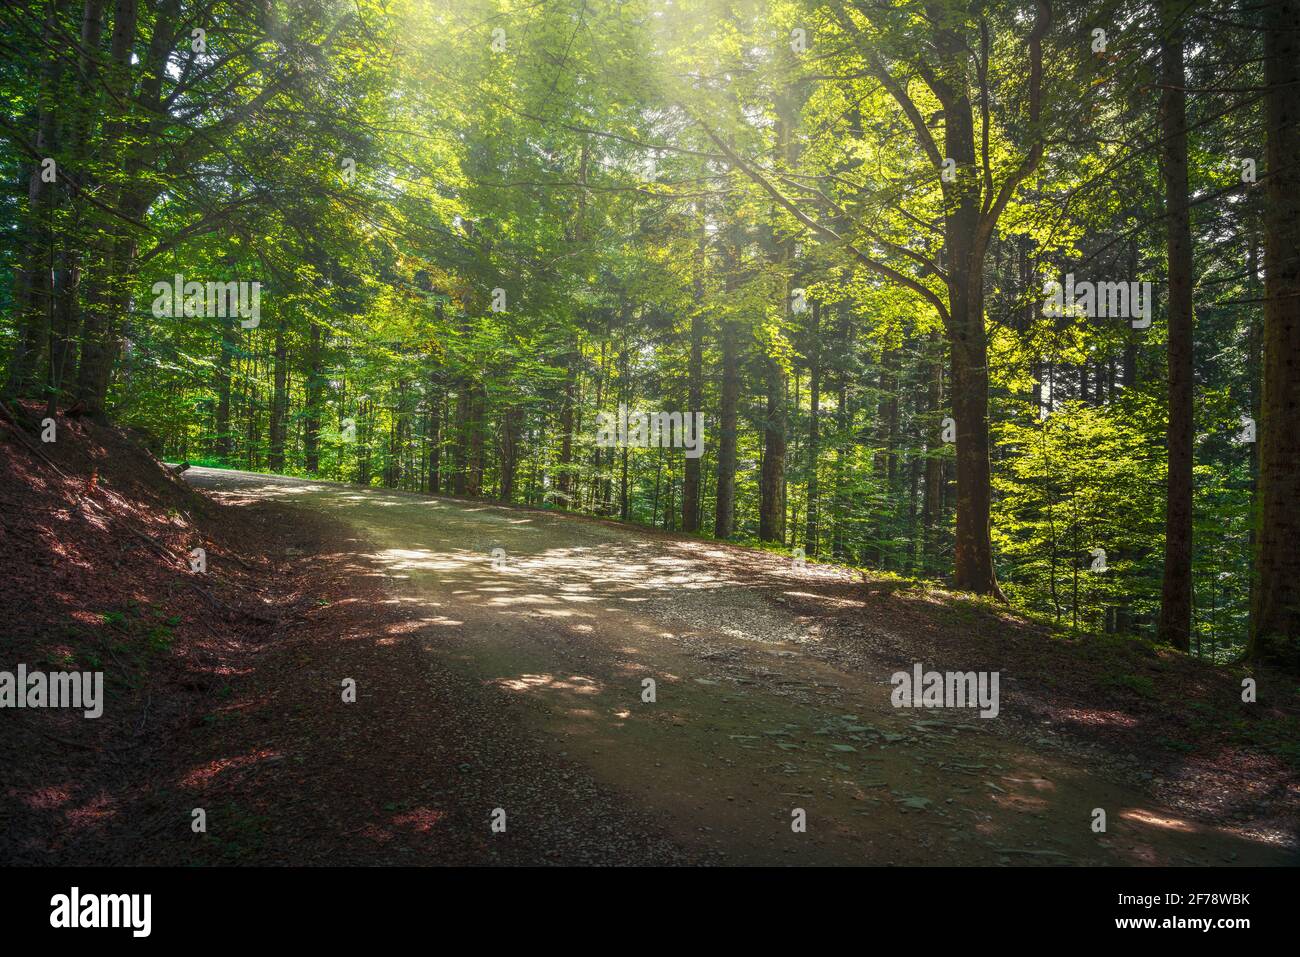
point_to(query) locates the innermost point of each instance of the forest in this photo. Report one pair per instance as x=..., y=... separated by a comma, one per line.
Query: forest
x=1000, y=294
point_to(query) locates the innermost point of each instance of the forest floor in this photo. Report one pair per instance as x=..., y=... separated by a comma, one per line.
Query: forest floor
x=514, y=680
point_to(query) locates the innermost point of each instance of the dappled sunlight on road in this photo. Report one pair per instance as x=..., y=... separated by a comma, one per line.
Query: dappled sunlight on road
x=579, y=684
x=1151, y=819
x=566, y=619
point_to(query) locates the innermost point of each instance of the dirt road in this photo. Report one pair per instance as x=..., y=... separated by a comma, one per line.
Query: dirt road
x=755, y=716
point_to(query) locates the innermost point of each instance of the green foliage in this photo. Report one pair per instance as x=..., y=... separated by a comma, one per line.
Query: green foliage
x=640, y=179
x=1081, y=479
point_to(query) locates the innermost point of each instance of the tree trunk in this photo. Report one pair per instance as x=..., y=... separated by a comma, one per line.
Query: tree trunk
x=1254, y=374
x=434, y=432
x=460, y=450
x=32, y=289
x=478, y=409
x=564, y=483
x=96, y=353
x=279, y=402
x=886, y=464
x=724, y=518
x=771, y=513
x=966, y=232
x=510, y=423
x=932, y=497
x=694, y=403
x=1275, y=619
x=226, y=346
x=814, y=402
x=1175, y=626
x=973, y=545
x=66, y=314
x=843, y=419
x=311, y=415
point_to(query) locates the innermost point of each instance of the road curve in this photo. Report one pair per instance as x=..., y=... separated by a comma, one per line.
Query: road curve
x=755, y=722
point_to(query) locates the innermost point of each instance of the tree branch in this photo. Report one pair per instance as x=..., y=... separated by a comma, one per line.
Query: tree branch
x=821, y=229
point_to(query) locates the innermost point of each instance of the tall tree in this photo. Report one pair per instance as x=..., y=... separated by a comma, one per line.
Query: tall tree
x=1175, y=625
x=813, y=515
x=1275, y=619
